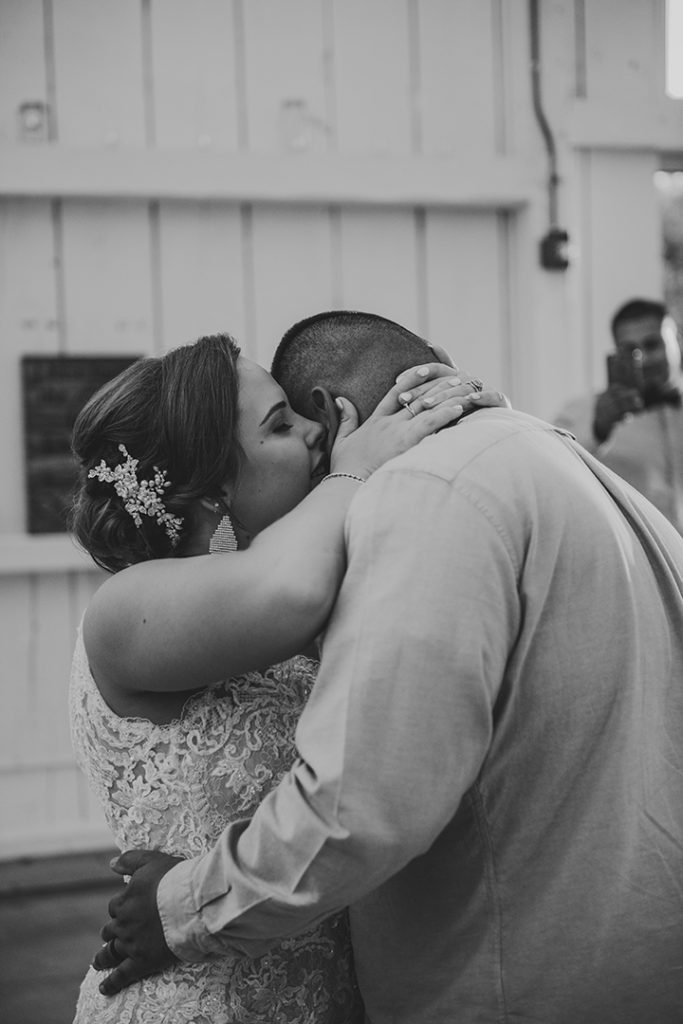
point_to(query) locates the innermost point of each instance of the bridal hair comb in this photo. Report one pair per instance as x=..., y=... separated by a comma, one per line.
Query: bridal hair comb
x=140, y=497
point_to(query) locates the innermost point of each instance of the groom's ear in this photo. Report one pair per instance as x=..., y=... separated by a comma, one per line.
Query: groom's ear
x=442, y=356
x=327, y=413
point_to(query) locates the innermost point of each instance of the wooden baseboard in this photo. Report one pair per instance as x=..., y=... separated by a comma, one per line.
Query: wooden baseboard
x=37, y=874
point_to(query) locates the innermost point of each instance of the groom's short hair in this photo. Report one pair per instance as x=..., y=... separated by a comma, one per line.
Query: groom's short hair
x=354, y=354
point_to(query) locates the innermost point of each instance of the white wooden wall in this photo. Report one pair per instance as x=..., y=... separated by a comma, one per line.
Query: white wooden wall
x=238, y=164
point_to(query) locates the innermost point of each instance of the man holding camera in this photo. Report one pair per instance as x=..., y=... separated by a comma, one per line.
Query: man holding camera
x=635, y=426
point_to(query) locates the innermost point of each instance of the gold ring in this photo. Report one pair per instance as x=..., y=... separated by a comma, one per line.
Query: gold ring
x=410, y=410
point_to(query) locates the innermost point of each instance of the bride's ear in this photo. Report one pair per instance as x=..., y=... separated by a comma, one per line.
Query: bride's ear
x=217, y=505
x=327, y=413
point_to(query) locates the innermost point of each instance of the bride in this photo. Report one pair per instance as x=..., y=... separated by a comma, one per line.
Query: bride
x=188, y=680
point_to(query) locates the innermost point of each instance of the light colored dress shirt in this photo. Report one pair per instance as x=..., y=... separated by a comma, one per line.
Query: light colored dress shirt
x=645, y=449
x=491, y=760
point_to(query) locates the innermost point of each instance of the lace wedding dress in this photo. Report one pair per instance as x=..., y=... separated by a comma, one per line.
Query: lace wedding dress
x=174, y=787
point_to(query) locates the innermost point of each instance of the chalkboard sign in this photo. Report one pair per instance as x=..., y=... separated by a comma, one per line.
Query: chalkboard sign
x=55, y=389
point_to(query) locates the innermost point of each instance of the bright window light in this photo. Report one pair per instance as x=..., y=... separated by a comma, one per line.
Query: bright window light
x=674, y=48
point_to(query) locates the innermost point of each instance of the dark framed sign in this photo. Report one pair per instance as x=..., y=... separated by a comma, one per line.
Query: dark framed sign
x=55, y=389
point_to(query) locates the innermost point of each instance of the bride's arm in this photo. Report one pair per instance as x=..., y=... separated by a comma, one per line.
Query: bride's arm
x=178, y=624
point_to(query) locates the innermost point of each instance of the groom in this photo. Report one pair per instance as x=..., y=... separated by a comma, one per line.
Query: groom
x=491, y=761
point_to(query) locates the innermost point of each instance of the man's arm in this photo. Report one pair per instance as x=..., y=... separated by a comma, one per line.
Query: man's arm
x=394, y=734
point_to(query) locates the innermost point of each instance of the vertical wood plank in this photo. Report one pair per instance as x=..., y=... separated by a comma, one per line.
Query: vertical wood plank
x=545, y=339
x=284, y=60
x=561, y=59
x=63, y=796
x=373, y=83
x=84, y=585
x=16, y=638
x=107, y=275
x=292, y=272
x=546, y=361
x=465, y=291
x=518, y=129
x=28, y=324
x=456, y=95
x=85, y=808
x=378, y=258
x=23, y=797
x=634, y=69
x=100, y=101
x=53, y=640
x=89, y=810
x=193, y=73
x=519, y=354
x=622, y=243
x=287, y=252
x=98, y=72
x=556, y=334
x=201, y=272
x=22, y=62
x=98, y=53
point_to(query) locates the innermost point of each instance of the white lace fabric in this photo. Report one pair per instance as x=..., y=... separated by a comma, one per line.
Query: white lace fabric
x=174, y=787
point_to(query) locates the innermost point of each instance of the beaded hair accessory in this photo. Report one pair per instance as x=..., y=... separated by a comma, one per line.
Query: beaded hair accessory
x=140, y=497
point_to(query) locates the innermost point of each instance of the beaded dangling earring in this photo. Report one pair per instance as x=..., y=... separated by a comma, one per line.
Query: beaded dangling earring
x=223, y=538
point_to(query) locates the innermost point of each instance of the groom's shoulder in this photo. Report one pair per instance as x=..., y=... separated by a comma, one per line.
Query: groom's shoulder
x=494, y=422
x=498, y=433
x=504, y=445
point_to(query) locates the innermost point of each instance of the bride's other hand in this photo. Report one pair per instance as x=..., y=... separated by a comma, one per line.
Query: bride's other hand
x=489, y=398
x=450, y=383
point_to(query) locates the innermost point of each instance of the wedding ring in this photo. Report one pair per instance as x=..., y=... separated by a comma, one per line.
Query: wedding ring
x=476, y=383
x=410, y=409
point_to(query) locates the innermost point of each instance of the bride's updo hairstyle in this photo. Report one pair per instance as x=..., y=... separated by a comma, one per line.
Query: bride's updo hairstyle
x=176, y=414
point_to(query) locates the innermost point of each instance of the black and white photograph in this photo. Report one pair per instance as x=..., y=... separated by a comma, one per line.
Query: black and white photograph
x=341, y=530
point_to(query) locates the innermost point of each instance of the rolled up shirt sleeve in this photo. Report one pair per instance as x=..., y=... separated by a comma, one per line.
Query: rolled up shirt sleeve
x=395, y=731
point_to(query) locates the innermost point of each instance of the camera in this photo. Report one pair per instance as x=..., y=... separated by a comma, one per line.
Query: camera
x=626, y=369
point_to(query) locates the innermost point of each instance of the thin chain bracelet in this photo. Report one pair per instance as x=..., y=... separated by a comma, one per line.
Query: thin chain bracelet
x=349, y=476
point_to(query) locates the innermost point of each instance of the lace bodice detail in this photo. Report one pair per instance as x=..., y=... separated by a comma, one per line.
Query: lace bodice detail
x=174, y=787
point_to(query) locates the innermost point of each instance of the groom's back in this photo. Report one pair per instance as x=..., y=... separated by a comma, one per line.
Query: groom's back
x=553, y=893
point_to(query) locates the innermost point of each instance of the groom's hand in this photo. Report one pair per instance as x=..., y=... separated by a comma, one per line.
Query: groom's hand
x=134, y=938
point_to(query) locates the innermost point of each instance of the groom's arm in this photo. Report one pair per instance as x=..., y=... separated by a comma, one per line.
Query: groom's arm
x=394, y=732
